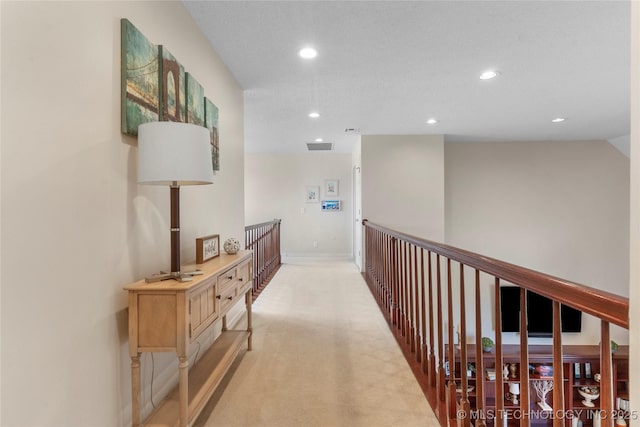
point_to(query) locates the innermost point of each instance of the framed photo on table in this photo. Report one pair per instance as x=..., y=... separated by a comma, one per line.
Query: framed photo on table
x=207, y=248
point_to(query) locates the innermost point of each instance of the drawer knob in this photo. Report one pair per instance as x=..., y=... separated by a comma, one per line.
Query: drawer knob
x=218, y=296
x=229, y=277
x=229, y=298
x=241, y=279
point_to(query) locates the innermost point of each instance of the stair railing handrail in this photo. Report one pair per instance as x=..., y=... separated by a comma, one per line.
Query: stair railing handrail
x=264, y=240
x=601, y=304
x=262, y=224
x=399, y=269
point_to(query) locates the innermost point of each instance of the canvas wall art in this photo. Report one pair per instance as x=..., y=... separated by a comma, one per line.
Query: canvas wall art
x=155, y=86
x=140, y=82
x=195, y=101
x=172, y=87
x=211, y=123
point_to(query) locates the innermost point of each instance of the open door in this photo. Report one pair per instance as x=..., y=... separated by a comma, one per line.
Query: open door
x=357, y=215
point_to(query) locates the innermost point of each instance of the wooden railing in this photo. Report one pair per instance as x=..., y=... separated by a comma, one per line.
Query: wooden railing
x=413, y=281
x=264, y=240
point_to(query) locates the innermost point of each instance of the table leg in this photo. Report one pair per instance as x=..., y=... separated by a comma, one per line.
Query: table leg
x=184, y=390
x=248, y=297
x=135, y=390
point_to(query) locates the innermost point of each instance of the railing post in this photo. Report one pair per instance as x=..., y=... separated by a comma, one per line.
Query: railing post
x=395, y=306
x=432, y=355
x=423, y=317
x=606, y=375
x=558, y=374
x=525, y=420
x=480, y=396
x=451, y=384
x=465, y=405
x=440, y=355
x=500, y=413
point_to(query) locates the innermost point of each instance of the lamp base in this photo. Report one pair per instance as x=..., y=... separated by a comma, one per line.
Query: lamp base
x=180, y=276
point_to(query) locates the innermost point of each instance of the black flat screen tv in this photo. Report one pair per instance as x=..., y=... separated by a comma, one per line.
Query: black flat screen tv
x=539, y=314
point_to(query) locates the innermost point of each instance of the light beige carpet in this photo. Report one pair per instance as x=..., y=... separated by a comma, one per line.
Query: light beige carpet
x=322, y=356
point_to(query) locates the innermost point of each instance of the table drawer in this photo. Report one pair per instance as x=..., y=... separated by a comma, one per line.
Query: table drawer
x=232, y=277
x=227, y=279
x=227, y=299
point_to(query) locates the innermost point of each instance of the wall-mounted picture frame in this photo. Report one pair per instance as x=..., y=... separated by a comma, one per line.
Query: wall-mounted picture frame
x=312, y=194
x=211, y=122
x=140, y=92
x=195, y=101
x=207, y=248
x=331, y=206
x=172, y=87
x=331, y=187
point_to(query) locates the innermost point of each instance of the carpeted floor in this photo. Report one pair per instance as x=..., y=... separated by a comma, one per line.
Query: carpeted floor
x=322, y=356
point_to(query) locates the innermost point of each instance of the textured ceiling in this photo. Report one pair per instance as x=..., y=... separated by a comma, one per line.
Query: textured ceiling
x=385, y=67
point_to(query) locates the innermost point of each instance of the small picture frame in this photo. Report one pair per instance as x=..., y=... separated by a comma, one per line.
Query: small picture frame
x=331, y=187
x=577, y=371
x=312, y=194
x=587, y=370
x=207, y=248
x=331, y=206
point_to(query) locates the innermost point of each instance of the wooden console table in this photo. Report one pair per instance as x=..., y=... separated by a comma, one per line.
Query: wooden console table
x=168, y=316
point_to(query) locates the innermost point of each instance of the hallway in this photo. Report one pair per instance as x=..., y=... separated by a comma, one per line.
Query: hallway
x=322, y=356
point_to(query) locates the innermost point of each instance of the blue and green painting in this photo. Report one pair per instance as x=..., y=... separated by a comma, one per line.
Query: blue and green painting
x=195, y=101
x=172, y=87
x=211, y=123
x=140, y=82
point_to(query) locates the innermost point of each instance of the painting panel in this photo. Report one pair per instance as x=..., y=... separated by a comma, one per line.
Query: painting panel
x=195, y=101
x=211, y=123
x=140, y=79
x=172, y=87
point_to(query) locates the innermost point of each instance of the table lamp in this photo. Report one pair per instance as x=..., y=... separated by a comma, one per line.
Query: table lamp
x=174, y=154
x=514, y=392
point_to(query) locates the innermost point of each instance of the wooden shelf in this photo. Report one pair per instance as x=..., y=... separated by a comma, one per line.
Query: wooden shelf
x=205, y=376
x=543, y=354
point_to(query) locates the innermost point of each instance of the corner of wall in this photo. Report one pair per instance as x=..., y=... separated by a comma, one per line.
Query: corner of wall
x=634, y=273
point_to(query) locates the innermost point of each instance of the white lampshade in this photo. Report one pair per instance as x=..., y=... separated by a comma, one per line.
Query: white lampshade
x=514, y=388
x=171, y=152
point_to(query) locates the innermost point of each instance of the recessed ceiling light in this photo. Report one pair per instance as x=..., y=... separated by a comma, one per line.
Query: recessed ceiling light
x=558, y=120
x=319, y=139
x=487, y=75
x=308, y=53
x=314, y=115
x=432, y=121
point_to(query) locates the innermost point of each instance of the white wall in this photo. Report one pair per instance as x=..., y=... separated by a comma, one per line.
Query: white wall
x=76, y=227
x=557, y=207
x=634, y=284
x=403, y=183
x=275, y=188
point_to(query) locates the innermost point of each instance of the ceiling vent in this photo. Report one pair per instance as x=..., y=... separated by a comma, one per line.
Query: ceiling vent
x=352, y=130
x=319, y=146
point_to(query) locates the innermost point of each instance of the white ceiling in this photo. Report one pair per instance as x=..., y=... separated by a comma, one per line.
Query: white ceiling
x=385, y=67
